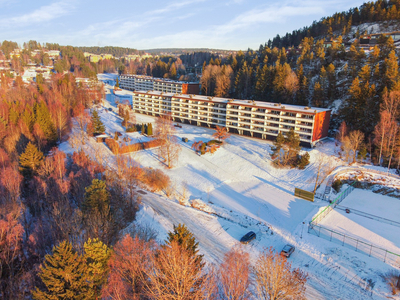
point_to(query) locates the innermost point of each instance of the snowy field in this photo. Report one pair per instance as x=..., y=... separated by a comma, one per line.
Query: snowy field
x=370, y=228
x=245, y=192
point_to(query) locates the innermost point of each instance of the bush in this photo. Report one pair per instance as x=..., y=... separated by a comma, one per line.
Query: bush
x=131, y=129
x=303, y=161
x=336, y=185
x=214, y=142
x=203, y=148
x=156, y=180
x=392, y=279
x=152, y=144
x=131, y=148
x=113, y=145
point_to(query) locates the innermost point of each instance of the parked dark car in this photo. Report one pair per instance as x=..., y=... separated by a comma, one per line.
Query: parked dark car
x=110, y=109
x=287, y=250
x=248, y=237
x=185, y=139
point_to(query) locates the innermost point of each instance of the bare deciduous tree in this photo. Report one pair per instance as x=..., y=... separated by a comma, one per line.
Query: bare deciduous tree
x=291, y=85
x=323, y=168
x=128, y=264
x=356, y=138
x=169, y=149
x=234, y=275
x=221, y=133
x=175, y=274
x=224, y=81
x=275, y=279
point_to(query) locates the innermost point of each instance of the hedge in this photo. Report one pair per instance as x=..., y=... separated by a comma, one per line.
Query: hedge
x=116, y=149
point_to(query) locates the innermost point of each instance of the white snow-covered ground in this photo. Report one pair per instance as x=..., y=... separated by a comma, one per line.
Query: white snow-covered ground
x=368, y=229
x=246, y=193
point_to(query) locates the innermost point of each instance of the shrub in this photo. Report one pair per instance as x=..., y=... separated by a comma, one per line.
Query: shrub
x=392, y=279
x=156, y=180
x=152, y=144
x=336, y=185
x=113, y=145
x=303, y=161
x=203, y=148
x=131, y=148
x=214, y=142
x=131, y=129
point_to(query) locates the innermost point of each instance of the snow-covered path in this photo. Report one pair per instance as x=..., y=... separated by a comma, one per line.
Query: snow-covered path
x=213, y=240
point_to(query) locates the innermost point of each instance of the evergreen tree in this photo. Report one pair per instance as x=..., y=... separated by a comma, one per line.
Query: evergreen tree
x=97, y=255
x=98, y=126
x=278, y=145
x=64, y=273
x=143, y=130
x=391, y=73
x=46, y=125
x=31, y=158
x=96, y=197
x=186, y=240
x=149, y=129
x=303, y=161
x=117, y=83
x=292, y=141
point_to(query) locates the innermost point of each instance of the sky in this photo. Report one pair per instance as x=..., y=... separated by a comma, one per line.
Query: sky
x=149, y=24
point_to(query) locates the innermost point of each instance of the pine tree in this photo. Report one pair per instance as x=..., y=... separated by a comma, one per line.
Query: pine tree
x=96, y=197
x=46, y=125
x=143, y=130
x=31, y=158
x=278, y=145
x=149, y=129
x=186, y=240
x=391, y=74
x=64, y=273
x=292, y=141
x=117, y=83
x=98, y=126
x=304, y=161
x=97, y=255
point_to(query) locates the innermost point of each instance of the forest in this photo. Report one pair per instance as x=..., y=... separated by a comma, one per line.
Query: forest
x=61, y=216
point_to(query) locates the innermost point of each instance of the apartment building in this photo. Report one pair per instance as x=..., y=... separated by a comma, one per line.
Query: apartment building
x=252, y=118
x=148, y=83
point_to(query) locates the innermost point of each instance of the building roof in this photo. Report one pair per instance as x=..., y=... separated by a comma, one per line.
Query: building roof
x=155, y=78
x=262, y=104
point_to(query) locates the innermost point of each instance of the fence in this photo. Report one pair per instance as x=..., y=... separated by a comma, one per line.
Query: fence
x=355, y=244
x=369, y=216
x=332, y=205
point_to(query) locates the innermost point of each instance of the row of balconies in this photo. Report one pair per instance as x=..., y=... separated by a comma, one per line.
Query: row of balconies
x=242, y=118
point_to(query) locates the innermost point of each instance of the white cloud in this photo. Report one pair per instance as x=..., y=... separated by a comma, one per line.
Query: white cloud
x=40, y=15
x=271, y=14
x=173, y=7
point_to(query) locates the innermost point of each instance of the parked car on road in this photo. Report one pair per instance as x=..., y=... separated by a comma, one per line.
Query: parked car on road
x=287, y=250
x=248, y=237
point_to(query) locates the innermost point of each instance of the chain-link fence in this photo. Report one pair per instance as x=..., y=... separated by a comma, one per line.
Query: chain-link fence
x=318, y=218
x=384, y=255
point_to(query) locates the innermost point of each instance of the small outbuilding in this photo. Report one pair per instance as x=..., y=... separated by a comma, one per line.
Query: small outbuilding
x=101, y=138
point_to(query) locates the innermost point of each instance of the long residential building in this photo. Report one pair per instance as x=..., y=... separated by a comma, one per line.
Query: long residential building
x=252, y=118
x=148, y=83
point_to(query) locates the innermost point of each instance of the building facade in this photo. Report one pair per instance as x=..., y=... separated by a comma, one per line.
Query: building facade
x=148, y=83
x=252, y=118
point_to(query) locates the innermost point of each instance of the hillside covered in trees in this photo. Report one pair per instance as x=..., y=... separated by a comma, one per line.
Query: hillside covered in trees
x=115, y=51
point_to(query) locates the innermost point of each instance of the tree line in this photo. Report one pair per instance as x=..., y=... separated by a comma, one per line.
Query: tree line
x=137, y=267
x=374, y=11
